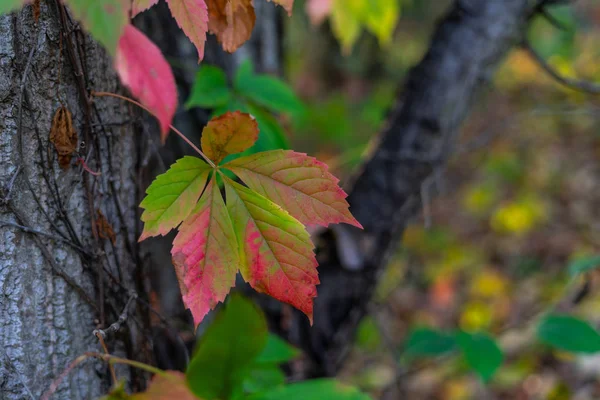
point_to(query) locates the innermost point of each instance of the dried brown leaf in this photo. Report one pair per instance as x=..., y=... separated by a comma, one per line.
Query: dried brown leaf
x=231, y=21
x=63, y=136
x=105, y=230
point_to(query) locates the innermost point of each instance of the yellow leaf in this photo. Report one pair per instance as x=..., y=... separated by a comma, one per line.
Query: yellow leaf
x=476, y=316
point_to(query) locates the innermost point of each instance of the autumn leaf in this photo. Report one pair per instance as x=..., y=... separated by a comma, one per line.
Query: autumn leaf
x=105, y=20
x=275, y=248
x=137, y=6
x=105, y=229
x=205, y=254
x=192, y=18
x=286, y=4
x=318, y=10
x=250, y=231
x=231, y=21
x=230, y=133
x=143, y=69
x=167, y=386
x=173, y=195
x=298, y=183
x=63, y=136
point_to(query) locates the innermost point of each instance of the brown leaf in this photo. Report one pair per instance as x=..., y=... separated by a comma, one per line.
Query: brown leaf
x=231, y=21
x=105, y=230
x=63, y=136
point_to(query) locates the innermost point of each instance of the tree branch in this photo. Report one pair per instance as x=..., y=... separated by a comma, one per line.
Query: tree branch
x=468, y=45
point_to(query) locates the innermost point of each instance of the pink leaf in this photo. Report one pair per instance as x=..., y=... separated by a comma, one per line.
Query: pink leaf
x=298, y=183
x=192, y=18
x=318, y=10
x=205, y=254
x=144, y=70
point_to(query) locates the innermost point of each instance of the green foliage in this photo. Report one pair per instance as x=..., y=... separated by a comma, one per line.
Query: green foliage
x=227, y=350
x=427, y=342
x=277, y=351
x=266, y=90
x=105, y=20
x=583, y=265
x=210, y=88
x=259, y=95
x=568, y=333
x=320, y=389
x=481, y=353
x=237, y=358
x=7, y=6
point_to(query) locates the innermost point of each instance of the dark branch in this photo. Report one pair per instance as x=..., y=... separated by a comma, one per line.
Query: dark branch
x=575, y=84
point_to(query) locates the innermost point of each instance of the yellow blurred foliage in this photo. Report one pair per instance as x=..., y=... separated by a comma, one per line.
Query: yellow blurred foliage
x=520, y=217
x=376, y=16
x=489, y=284
x=476, y=316
x=458, y=389
x=478, y=199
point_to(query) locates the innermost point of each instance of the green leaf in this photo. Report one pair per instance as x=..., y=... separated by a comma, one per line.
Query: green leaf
x=210, y=88
x=427, y=342
x=227, y=350
x=568, y=333
x=481, y=353
x=317, y=389
x=244, y=72
x=277, y=351
x=583, y=265
x=105, y=20
x=7, y=6
x=172, y=196
x=271, y=136
x=263, y=377
x=270, y=92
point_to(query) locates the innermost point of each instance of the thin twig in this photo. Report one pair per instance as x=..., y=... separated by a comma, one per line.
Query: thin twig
x=48, y=235
x=116, y=326
x=181, y=135
x=572, y=83
x=110, y=366
x=104, y=357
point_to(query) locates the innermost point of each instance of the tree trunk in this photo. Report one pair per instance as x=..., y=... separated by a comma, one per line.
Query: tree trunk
x=62, y=272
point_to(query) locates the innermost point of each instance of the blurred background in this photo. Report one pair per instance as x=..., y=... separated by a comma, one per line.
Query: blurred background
x=504, y=229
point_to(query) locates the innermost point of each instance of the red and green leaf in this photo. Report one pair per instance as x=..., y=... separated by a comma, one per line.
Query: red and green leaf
x=105, y=20
x=143, y=69
x=300, y=184
x=205, y=254
x=192, y=18
x=229, y=134
x=258, y=230
x=276, y=250
x=172, y=196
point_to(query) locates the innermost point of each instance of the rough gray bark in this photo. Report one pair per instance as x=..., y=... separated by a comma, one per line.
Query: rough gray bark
x=466, y=48
x=58, y=276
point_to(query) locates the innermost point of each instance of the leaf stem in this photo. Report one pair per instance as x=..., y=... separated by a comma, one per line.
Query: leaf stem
x=181, y=135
